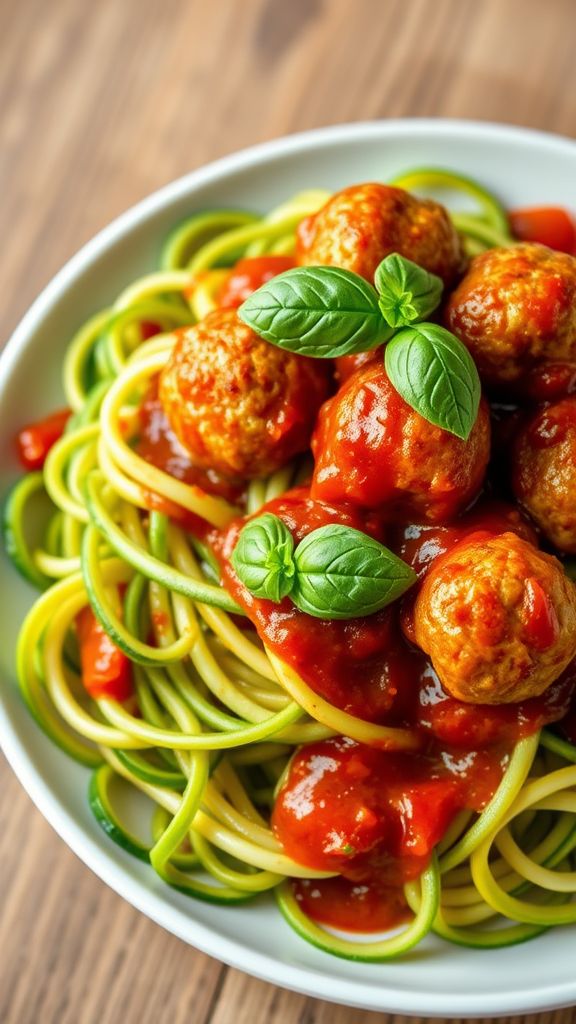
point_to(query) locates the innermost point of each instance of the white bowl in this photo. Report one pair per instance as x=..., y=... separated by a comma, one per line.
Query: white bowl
x=523, y=167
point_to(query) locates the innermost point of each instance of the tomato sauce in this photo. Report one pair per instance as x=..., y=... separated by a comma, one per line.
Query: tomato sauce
x=360, y=907
x=420, y=544
x=375, y=816
x=345, y=661
x=550, y=381
x=106, y=670
x=250, y=274
x=159, y=445
x=568, y=724
x=364, y=665
x=553, y=425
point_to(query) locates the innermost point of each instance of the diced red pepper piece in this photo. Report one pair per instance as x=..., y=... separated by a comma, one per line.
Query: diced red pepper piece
x=549, y=225
x=106, y=670
x=35, y=441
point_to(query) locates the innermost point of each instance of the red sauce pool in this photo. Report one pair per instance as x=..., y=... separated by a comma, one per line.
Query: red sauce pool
x=420, y=544
x=374, y=817
x=159, y=446
x=360, y=907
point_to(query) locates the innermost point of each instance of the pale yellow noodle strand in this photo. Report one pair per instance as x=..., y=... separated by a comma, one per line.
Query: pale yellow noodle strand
x=341, y=721
x=56, y=465
x=219, y=684
x=158, y=282
x=55, y=567
x=219, y=622
x=256, y=496
x=159, y=343
x=556, y=881
x=214, y=802
x=239, y=669
x=58, y=687
x=202, y=300
x=125, y=488
x=219, y=835
x=215, y=510
x=264, y=697
x=230, y=784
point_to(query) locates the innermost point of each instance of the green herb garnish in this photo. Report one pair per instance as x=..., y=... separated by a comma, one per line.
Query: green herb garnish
x=335, y=572
x=322, y=312
x=263, y=557
x=436, y=375
x=407, y=293
x=326, y=312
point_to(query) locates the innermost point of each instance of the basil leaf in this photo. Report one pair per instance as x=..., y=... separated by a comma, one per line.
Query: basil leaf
x=262, y=557
x=407, y=292
x=435, y=374
x=322, y=312
x=342, y=573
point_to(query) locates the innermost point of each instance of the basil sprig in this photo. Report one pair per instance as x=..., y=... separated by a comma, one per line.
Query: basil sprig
x=435, y=374
x=322, y=312
x=336, y=572
x=343, y=571
x=326, y=312
x=263, y=557
x=407, y=292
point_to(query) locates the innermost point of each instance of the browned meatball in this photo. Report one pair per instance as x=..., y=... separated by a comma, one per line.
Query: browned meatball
x=498, y=620
x=237, y=404
x=544, y=472
x=373, y=450
x=345, y=366
x=515, y=309
x=361, y=225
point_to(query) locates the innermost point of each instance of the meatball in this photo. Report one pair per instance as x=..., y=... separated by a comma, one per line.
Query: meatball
x=345, y=366
x=237, y=404
x=515, y=309
x=544, y=472
x=375, y=451
x=498, y=619
x=361, y=225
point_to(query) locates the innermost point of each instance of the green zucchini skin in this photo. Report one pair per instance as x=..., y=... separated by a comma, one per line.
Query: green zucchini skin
x=13, y=538
x=107, y=820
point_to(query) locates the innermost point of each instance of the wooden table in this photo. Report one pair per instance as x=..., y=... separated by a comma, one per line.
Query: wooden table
x=101, y=103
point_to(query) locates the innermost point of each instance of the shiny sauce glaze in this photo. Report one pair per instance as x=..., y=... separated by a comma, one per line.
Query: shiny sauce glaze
x=157, y=444
x=248, y=275
x=374, y=816
x=553, y=424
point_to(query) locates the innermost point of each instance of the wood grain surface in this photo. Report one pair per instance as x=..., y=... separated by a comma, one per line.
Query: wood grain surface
x=100, y=103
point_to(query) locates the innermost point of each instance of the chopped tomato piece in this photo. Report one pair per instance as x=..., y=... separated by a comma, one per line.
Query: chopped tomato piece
x=248, y=275
x=425, y=809
x=549, y=225
x=106, y=670
x=35, y=441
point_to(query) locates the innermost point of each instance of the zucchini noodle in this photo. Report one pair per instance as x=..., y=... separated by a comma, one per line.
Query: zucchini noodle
x=215, y=716
x=484, y=229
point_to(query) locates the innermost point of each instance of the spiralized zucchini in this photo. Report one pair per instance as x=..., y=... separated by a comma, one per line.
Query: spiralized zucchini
x=215, y=716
